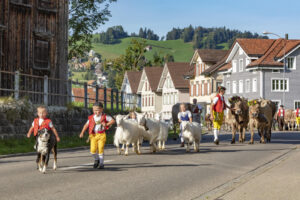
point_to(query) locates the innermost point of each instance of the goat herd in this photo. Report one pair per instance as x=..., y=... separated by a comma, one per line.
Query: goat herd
x=244, y=115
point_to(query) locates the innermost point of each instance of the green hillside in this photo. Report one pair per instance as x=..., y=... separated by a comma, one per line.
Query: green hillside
x=181, y=51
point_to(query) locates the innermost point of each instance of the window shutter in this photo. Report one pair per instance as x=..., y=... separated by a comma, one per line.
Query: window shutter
x=205, y=89
x=194, y=92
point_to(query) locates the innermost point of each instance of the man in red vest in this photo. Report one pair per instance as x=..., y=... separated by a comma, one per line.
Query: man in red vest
x=42, y=122
x=280, y=117
x=97, y=124
x=217, y=107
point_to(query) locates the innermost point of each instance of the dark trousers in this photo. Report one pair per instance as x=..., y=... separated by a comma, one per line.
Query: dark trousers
x=280, y=123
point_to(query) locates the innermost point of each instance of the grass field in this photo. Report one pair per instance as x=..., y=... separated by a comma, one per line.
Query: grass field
x=181, y=51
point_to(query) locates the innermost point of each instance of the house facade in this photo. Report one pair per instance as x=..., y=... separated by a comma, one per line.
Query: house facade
x=254, y=68
x=173, y=86
x=150, y=98
x=129, y=88
x=202, y=86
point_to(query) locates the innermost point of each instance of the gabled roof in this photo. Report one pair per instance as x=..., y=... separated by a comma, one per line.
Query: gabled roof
x=275, y=52
x=134, y=78
x=216, y=66
x=153, y=74
x=177, y=71
x=254, y=47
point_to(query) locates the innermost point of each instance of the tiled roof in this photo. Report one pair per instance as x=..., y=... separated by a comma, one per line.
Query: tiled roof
x=275, y=51
x=134, y=78
x=153, y=75
x=216, y=66
x=78, y=94
x=211, y=55
x=177, y=71
x=254, y=47
x=225, y=67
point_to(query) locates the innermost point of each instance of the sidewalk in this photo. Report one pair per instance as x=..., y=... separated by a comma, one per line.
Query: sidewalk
x=280, y=182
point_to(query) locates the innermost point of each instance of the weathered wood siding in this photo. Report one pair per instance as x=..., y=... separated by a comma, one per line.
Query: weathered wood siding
x=33, y=40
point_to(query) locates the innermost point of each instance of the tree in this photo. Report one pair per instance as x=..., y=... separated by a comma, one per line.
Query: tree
x=85, y=16
x=133, y=59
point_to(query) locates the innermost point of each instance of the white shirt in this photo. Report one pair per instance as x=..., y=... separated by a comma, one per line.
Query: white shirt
x=99, y=127
x=216, y=99
x=41, y=121
x=183, y=114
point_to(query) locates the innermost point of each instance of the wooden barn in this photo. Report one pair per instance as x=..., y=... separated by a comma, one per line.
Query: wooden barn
x=33, y=43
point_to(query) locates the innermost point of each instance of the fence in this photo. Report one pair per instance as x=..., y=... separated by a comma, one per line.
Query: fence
x=58, y=92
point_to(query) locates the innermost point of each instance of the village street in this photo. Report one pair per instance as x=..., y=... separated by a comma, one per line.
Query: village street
x=217, y=172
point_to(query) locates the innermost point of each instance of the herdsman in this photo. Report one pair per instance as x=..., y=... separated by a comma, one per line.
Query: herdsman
x=280, y=117
x=217, y=107
x=196, y=111
x=297, y=117
x=183, y=115
x=97, y=124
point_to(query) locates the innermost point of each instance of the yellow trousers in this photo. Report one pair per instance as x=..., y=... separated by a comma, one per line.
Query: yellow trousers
x=298, y=120
x=97, y=141
x=218, y=119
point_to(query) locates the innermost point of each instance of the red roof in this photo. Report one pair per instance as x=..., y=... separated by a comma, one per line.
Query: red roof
x=134, y=78
x=153, y=75
x=177, y=71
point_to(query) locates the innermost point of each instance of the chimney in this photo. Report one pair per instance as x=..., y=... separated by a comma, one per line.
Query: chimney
x=286, y=36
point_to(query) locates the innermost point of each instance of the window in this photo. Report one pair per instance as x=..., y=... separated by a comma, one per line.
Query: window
x=277, y=103
x=208, y=88
x=168, y=99
x=202, y=90
x=172, y=99
x=41, y=54
x=197, y=69
x=146, y=86
x=234, y=63
x=297, y=104
x=241, y=65
x=280, y=85
x=241, y=86
x=233, y=87
x=248, y=61
x=152, y=100
x=192, y=90
x=254, y=85
x=291, y=63
x=247, y=86
x=228, y=87
x=197, y=89
x=164, y=99
x=275, y=71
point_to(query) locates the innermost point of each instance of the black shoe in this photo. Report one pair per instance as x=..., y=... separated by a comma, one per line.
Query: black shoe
x=216, y=141
x=96, y=163
x=182, y=144
x=101, y=166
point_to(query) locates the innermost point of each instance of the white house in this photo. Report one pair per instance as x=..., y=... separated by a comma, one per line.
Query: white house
x=173, y=86
x=150, y=97
x=129, y=87
x=201, y=86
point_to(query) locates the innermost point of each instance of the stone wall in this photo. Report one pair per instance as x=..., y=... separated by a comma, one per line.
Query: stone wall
x=16, y=117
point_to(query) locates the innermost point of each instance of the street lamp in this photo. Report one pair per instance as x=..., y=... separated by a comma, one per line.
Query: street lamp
x=284, y=84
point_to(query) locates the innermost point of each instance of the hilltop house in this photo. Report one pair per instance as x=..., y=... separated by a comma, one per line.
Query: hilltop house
x=130, y=87
x=173, y=86
x=150, y=97
x=254, y=68
x=201, y=86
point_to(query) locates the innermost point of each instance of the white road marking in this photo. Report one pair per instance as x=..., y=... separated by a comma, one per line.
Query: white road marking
x=81, y=166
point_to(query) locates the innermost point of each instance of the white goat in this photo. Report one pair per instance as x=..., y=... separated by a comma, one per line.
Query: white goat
x=191, y=132
x=152, y=131
x=163, y=135
x=128, y=132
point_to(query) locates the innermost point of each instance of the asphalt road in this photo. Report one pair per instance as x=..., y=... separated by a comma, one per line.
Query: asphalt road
x=171, y=174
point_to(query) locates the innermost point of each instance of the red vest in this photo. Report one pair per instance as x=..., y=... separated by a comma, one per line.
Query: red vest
x=219, y=106
x=92, y=124
x=297, y=112
x=279, y=112
x=36, y=127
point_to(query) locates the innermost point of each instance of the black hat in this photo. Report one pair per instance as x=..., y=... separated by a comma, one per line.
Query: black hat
x=221, y=88
x=281, y=106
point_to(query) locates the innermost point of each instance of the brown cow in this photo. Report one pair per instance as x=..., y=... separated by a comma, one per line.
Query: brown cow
x=290, y=119
x=261, y=113
x=239, y=117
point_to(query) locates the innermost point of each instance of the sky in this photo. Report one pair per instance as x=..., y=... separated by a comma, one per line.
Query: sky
x=161, y=16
